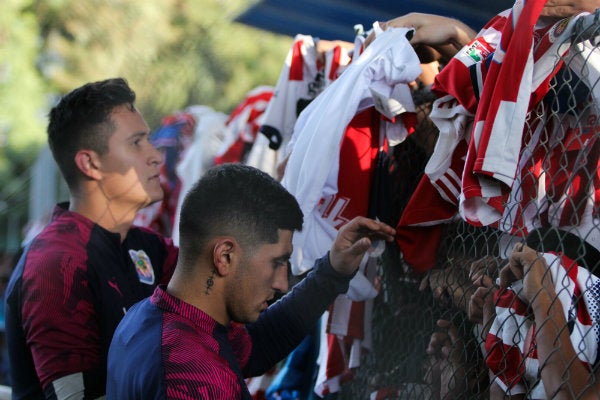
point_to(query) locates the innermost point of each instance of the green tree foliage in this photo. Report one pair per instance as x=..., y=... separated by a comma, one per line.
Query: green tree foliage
x=174, y=53
x=22, y=107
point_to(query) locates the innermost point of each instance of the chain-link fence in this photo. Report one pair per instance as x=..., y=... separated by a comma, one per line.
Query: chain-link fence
x=456, y=329
x=537, y=337
x=450, y=320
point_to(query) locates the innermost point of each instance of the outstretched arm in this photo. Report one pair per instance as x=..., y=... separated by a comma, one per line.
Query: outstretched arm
x=435, y=36
x=284, y=324
x=562, y=374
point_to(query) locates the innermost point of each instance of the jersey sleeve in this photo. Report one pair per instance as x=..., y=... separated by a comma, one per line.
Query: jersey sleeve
x=283, y=325
x=60, y=323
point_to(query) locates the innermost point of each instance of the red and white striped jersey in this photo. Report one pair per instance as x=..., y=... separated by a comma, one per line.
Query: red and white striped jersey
x=510, y=343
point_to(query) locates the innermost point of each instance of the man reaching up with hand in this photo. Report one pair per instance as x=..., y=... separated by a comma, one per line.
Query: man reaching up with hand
x=211, y=327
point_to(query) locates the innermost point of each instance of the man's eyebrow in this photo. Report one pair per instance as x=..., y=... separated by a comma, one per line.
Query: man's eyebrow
x=284, y=257
x=138, y=134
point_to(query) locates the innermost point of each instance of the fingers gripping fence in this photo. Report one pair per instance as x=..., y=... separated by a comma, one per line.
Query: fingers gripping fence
x=511, y=303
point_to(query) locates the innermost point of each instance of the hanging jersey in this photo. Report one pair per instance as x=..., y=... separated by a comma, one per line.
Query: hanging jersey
x=317, y=136
x=510, y=343
x=492, y=166
x=243, y=123
x=302, y=78
x=349, y=316
x=534, y=53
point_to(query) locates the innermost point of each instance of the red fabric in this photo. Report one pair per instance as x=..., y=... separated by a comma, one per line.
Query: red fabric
x=419, y=244
x=504, y=359
x=297, y=65
x=419, y=231
x=511, y=342
x=358, y=152
x=244, y=121
x=335, y=63
x=233, y=153
x=455, y=79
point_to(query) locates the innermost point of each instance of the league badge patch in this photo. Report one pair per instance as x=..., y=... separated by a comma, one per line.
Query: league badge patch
x=143, y=266
x=475, y=52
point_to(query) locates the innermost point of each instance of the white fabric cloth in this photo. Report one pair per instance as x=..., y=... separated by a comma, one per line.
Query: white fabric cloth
x=209, y=136
x=315, y=143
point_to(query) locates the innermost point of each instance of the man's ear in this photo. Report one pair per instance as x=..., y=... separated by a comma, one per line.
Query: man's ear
x=88, y=163
x=225, y=254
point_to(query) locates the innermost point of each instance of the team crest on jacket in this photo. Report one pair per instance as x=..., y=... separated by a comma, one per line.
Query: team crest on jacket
x=143, y=266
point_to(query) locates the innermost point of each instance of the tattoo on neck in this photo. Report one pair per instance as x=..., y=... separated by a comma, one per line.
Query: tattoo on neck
x=210, y=282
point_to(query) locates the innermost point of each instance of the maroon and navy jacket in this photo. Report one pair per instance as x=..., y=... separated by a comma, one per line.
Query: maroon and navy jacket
x=165, y=348
x=71, y=287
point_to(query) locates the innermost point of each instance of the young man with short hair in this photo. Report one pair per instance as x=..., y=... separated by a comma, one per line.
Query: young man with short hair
x=211, y=327
x=79, y=276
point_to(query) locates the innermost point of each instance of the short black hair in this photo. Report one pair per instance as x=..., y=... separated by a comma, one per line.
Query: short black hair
x=81, y=119
x=235, y=200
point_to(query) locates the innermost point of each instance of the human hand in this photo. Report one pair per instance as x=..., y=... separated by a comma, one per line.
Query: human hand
x=433, y=30
x=435, y=33
x=481, y=305
x=529, y=266
x=443, y=286
x=566, y=8
x=483, y=270
x=354, y=239
x=450, y=286
x=441, y=343
x=447, y=350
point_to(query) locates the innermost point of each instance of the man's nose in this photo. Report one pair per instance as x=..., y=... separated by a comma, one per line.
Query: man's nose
x=281, y=279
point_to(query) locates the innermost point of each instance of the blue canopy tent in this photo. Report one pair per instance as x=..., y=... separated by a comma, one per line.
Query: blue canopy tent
x=335, y=19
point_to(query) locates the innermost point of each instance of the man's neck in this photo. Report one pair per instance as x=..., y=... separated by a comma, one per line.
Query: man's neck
x=113, y=217
x=210, y=300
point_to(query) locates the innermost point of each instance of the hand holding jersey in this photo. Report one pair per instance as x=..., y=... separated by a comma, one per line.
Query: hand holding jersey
x=434, y=36
x=353, y=240
x=566, y=8
x=560, y=296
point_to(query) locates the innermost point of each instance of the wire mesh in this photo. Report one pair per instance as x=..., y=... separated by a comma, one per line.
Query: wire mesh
x=471, y=356
x=431, y=331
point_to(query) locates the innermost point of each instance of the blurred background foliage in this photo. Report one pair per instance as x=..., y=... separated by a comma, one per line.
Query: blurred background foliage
x=174, y=53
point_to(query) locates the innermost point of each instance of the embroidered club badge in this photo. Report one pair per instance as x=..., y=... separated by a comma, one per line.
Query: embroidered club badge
x=143, y=266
